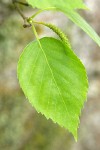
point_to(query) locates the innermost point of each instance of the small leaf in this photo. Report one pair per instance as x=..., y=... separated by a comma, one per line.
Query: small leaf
x=68, y=7
x=76, y=18
x=76, y=4
x=71, y=4
x=54, y=80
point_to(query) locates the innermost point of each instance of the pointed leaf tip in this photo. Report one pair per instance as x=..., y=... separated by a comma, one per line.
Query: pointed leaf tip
x=55, y=81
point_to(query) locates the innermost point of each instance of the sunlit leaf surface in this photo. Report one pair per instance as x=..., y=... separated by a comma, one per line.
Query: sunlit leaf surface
x=69, y=7
x=54, y=80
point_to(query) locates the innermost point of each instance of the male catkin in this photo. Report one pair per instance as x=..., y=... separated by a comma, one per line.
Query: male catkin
x=58, y=32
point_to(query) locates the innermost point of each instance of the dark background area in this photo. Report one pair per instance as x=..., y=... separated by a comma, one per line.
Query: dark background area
x=21, y=127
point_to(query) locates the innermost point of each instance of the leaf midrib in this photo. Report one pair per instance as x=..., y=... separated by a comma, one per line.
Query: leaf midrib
x=54, y=80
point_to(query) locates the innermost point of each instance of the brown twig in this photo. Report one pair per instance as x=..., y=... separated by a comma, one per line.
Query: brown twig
x=22, y=3
x=26, y=24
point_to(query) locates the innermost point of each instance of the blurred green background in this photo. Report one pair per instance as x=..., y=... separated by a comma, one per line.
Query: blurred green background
x=21, y=127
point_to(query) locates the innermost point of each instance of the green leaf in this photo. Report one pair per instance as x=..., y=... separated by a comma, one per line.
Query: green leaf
x=68, y=7
x=76, y=18
x=71, y=4
x=54, y=80
x=76, y=4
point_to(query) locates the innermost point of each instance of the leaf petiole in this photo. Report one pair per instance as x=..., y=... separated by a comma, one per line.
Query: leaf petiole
x=34, y=30
x=58, y=31
x=40, y=11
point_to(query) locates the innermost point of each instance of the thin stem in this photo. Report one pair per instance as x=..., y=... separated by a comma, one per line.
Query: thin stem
x=50, y=8
x=18, y=10
x=26, y=23
x=36, y=35
x=22, y=3
x=38, y=22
